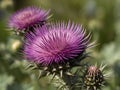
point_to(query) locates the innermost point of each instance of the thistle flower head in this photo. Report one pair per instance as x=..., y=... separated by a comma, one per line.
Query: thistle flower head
x=27, y=18
x=93, y=78
x=56, y=44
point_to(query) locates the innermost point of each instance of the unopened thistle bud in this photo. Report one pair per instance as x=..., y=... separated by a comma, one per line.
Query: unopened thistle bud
x=93, y=78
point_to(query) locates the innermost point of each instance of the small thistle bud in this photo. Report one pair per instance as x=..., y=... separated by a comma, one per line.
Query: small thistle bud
x=27, y=19
x=93, y=78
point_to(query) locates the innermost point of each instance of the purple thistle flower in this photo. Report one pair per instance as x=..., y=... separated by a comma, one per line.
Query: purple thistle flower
x=27, y=18
x=56, y=44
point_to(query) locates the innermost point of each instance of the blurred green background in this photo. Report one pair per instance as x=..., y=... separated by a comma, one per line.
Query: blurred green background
x=101, y=17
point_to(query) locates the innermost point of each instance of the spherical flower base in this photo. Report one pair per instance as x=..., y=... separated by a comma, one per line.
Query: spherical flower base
x=27, y=18
x=53, y=70
x=57, y=69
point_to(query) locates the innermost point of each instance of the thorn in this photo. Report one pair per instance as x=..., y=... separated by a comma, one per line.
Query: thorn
x=95, y=88
x=93, y=44
x=60, y=87
x=42, y=74
x=69, y=74
x=29, y=66
x=61, y=73
x=77, y=71
x=17, y=33
x=34, y=68
x=52, y=77
x=107, y=75
x=46, y=68
x=102, y=67
x=48, y=73
x=88, y=87
x=60, y=67
x=49, y=16
x=39, y=75
x=54, y=69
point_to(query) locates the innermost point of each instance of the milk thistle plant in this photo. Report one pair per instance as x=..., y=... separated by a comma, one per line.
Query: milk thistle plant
x=56, y=49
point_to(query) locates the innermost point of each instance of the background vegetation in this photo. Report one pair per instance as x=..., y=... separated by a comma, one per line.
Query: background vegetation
x=101, y=17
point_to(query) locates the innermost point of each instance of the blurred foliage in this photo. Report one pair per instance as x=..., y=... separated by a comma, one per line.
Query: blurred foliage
x=101, y=17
